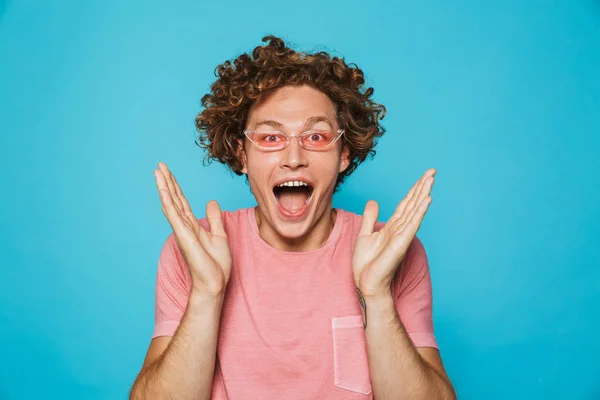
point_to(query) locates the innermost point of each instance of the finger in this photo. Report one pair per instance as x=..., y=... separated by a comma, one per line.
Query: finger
x=166, y=199
x=402, y=205
x=410, y=196
x=160, y=180
x=169, y=178
x=184, y=203
x=427, y=176
x=423, y=190
x=414, y=222
x=369, y=218
x=170, y=181
x=203, y=236
x=215, y=218
x=411, y=208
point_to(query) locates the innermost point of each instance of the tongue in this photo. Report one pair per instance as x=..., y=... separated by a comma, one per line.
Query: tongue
x=292, y=200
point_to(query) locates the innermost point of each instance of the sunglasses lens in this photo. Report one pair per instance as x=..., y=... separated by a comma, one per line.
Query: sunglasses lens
x=266, y=140
x=317, y=140
x=311, y=140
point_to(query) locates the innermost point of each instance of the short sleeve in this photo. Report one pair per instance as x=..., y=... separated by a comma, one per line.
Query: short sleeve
x=413, y=298
x=173, y=283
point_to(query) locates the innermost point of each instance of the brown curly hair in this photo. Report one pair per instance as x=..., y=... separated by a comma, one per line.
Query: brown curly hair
x=271, y=67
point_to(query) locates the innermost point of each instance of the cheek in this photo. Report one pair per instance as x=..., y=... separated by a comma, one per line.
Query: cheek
x=260, y=168
x=327, y=166
x=262, y=161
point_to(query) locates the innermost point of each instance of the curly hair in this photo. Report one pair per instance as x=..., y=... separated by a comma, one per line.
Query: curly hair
x=270, y=67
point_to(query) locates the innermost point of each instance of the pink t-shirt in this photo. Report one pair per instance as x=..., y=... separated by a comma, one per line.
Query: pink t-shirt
x=291, y=324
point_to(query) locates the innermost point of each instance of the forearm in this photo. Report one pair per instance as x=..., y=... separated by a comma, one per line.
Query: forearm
x=185, y=370
x=397, y=370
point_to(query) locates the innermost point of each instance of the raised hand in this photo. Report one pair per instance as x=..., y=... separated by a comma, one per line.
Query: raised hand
x=206, y=253
x=378, y=254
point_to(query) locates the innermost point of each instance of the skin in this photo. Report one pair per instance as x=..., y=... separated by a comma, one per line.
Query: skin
x=292, y=109
x=170, y=372
x=376, y=258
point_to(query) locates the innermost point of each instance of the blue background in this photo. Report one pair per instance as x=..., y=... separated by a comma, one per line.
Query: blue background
x=502, y=97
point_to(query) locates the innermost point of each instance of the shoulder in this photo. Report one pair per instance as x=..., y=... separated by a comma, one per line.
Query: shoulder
x=353, y=221
x=171, y=257
x=414, y=269
x=232, y=220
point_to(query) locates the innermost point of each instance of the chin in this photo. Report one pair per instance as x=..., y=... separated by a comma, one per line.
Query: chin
x=293, y=225
x=289, y=232
x=288, y=225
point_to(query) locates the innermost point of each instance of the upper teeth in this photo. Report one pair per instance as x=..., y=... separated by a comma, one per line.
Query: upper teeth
x=293, y=183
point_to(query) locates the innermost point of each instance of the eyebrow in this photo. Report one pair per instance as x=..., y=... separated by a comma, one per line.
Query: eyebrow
x=272, y=123
x=314, y=120
x=309, y=122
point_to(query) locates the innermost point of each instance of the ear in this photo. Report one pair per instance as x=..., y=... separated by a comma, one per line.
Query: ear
x=344, y=159
x=241, y=155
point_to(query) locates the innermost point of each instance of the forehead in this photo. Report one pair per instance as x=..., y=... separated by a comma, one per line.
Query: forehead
x=293, y=106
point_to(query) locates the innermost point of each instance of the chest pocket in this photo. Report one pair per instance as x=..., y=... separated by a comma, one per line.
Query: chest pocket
x=351, y=365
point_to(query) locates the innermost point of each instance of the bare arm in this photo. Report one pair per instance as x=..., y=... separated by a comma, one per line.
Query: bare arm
x=185, y=369
x=182, y=367
x=398, y=369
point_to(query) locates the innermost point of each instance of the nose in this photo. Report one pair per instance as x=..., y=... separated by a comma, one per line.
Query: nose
x=293, y=156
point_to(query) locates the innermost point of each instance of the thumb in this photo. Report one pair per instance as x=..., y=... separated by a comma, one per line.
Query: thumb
x=215, y=218
x=369, y=218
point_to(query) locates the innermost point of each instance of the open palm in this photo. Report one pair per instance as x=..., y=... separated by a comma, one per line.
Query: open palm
x=206, y=252
x=377, y=254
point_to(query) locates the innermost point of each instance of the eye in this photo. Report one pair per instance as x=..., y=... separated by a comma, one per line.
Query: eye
x=316, y=137
x=270, y=137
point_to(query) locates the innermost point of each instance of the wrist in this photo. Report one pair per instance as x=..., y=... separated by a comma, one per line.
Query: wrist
x=372, y=293
x=379, y=300
x=376, y=305
x=213, y=289
x=203, y=298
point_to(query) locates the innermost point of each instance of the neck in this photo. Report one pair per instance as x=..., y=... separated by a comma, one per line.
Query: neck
x=314, y=239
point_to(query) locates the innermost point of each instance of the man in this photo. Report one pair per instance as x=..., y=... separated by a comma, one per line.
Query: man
x=292, y=299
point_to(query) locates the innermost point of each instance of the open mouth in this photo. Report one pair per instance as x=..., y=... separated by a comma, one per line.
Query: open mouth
x=293, y=196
